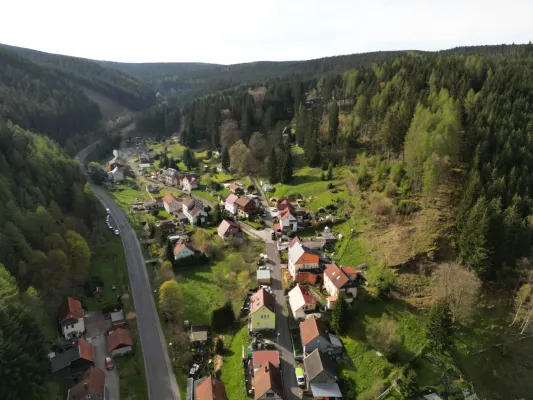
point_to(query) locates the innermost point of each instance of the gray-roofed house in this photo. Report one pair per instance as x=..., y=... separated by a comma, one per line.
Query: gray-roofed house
x=263, y=276
x=321, y=375
x=73, y=362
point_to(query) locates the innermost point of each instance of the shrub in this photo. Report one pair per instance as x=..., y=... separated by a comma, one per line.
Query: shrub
x=391, y=190
x=383, y=335
x=330, y=186
x=407, y=207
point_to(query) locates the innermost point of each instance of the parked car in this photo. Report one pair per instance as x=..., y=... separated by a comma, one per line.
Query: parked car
x=117, y=232
x=107, y=211
x=109, y=363
x=300, y=377
x=273, y=235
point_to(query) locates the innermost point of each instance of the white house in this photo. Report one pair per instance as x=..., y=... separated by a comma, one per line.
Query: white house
x=70, y=317
x=155, y=204
x=171, y=204
x=231, y=205
x=119, y=342
x=336, y=281
x=183, y=250
x=115, y=175
x=194, y=211
x=169, y=176
x=299, y=259
x=288, y=220
x=301, y=301
x=189, y=183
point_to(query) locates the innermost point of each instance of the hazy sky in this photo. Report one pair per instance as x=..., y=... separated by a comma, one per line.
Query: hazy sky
x=234, y=31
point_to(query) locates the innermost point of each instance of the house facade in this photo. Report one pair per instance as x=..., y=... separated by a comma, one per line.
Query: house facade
x=301, y=302
x=336, y=282
x=246, y=206
x=288, y=221
x=171, y=204
x=70, y=317
x=300, y=259
x=315, y=336
x=262, y=311
x=228, y=230
x=168, y=176
x=230, y=205
x=156, y=204
x=119, y=342
x=183, y=250
x=189, y=183
x=115, y=175
x=194, y=211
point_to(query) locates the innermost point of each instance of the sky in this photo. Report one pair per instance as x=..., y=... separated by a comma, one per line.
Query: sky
x=236, y=31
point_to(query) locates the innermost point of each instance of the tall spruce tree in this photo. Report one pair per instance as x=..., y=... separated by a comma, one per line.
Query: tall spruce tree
x=273, y=174
x=333, y=122
x=286, y=168
x=224, y=158
x=440, y=328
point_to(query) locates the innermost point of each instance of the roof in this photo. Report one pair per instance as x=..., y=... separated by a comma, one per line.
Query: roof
x=318, y=362
x=311, y=328
x=265, y=356
x=211, y=389
x=263, y=274
x=225, y=225
x=325, y=390
x=243, y=201
x=169, y=199
x=336, y=276
x=262, y=298
x=199, y=333
x=85, y=350
x=299, y=296
x=114, y=171
x=308, y=258
x=332, y=298
x=231, y=199
x=296, y=251
x=117, y=316
x=283, y=204
x=350, y=270
x=70, y=309
x=90, y=387
x=119, y=338
x=233, y=187
x=188, y=202
x=286, y=214
x=196, y=209
x=334, y=340
x=267, y=378
x=294, y=240
x=180, y=246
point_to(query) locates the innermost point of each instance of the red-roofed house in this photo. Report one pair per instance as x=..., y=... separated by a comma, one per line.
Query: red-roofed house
x=262, y=311
x=183, y=250
x=211, y=389
x=336, y=281
x=267, y=383
x=245, y=206
x=300, y=259
x=301, y=301
x=351, y=272
x=90, y=387
x=189, y=183
x=234, y=188
x=229, y=230
x=314, y=336
x=119, y=342
x=288, y=220
x=231, y=204
x=171, y=204
x=70, y=317
x=264, y=356
x=73, y=362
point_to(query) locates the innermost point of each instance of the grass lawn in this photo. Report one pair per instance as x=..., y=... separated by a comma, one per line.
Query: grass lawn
x=232, y=370
x=253, y=224
x=205, y=195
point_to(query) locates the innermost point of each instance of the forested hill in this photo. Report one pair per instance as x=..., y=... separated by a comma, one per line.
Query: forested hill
x=118, y=86
x=154, y=71
x=46, y=220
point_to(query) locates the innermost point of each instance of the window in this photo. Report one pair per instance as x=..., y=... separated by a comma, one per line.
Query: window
x=270, y=394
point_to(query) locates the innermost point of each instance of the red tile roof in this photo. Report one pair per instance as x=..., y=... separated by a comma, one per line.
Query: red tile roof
x=308, y=258
x=267, y=378
x=225, y=225
x=311, y=328
x=262, y=298
x=119, y=338
x=169, y=199
x=243, y=201
x=350, y=270
x=336, y=276
x=70, y=309
x=182, y=245
x=91, y=384
x=211, y=389
x=262, y=357
x=86, y=350
x=231, y=199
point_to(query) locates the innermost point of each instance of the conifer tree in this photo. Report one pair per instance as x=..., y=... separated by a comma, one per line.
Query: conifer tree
x=225, y=161
x=273, y=175
x=440, y=326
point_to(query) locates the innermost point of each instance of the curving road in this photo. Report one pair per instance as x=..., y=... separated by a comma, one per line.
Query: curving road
x=159, y=375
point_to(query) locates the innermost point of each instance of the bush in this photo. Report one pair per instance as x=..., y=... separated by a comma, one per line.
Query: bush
x=407, y=207
x=384, y=337
x=330, y=186
x=382, y=206
x=209, y=154
x=391, y=190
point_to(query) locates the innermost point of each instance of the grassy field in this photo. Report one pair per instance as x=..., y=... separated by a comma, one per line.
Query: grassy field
x=232, y=370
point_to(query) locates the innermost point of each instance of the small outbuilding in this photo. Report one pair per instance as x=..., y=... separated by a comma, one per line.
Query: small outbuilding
x=264, y=276
x=119, y=342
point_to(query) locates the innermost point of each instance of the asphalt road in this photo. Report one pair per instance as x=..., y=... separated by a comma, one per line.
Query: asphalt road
x=290, y=386
x=160, y=378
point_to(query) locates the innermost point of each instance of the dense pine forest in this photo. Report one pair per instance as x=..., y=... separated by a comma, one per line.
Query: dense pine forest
x=46, y=221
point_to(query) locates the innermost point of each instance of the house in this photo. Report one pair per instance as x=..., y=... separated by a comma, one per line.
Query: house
x=117, y=318
x=144, y=158
x=70, y=317
x=90, y=387
x=331, y=302
x=300, y=259
x=230, y=205
x=264, y=276
x=315, y=336
x=262, y=311
x=321, y=376
x=171, y=204
x=268, y=188
x=336, y=281
x=210, y=389
x=288, y=220
x=119, y=342
x=189, y=183
x=73, y=362
x=183, y=250
x=229, y=230
x=156, y=204
x=351, y=272
x=301, y=301
x=111, y=165
x=194, y=211
x=234, y=188
x=115, y=175
x=263, y=357
x=245, y=206
x=267, y=383
x=169, y=176
x=168, y=227
x=199, y=335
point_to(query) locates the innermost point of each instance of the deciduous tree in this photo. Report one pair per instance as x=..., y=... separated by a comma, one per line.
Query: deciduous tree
x=383, y=335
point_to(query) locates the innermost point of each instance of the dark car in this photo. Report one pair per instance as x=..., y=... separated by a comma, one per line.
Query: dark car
x=109, y=363
x=273, y=235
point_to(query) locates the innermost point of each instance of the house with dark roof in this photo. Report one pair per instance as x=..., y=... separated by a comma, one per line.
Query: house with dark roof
x=167, y=227
x=336, y=281
x=315, y=335
x=210, y=389
x=194, y=211
x=119, y=342
x=90, y=387
x=73, y=362
x=321, y=376
x=246, y=206
x=262, y=311
x=229, y=230
x=70, y=317
x=267, y=383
